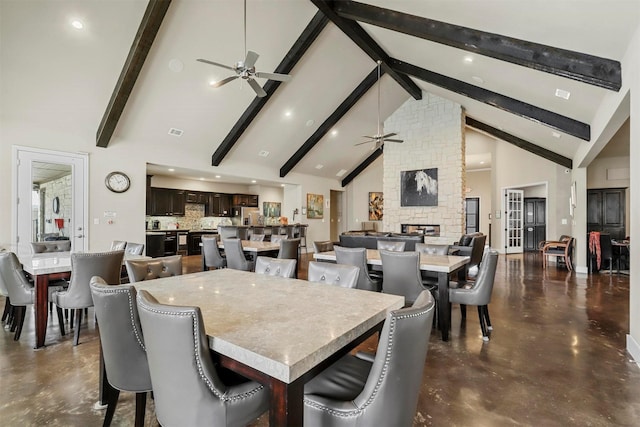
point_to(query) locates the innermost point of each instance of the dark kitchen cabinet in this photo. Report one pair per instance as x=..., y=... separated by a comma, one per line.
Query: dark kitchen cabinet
x=197, y=197
x=166, y=202
x=247, y=200
x=606, y=211
x=219, y=205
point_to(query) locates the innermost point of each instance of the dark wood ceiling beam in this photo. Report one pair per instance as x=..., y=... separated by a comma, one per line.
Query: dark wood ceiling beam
x=578, y=66
x=521, y=143
x=149, y=27
x=306, y=39
x=331, y=121
x=364, y=41
x=362, y=166
x=513, y=106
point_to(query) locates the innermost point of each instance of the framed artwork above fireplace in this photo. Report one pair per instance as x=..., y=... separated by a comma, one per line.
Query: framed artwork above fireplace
x=419, y=187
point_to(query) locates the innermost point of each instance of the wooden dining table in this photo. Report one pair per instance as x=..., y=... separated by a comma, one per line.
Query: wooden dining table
x=44, y=268
x=443, y=265
x=277, y=331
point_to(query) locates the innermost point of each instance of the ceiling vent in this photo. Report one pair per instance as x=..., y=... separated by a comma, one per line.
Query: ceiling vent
x=175, y=132
x=263, y=153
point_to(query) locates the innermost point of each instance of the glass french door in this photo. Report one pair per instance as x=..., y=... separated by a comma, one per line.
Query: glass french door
x=513, y=221
x=63, y=211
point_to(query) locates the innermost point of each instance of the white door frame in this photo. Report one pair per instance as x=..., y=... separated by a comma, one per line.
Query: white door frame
x=79, y=162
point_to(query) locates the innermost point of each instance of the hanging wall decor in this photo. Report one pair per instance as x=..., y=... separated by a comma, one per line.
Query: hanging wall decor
x=419, y=187
x=315, y=206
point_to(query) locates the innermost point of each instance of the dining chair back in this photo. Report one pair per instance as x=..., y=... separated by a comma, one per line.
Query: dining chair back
x=342, y=275
x=243, y=233
x=226, y=232
x=211, y=253
x=257, y=237
x=380, y=390
x=122, y=344
x=20, y=292
x=277, y=238
x=85, y=265
x=134, y=248
x=389, y=245
x=235, y=255
x=322, y=246
x=401, y=274
x=290, y=249
x=432, y=249
x=187, y=388
x=478, y=293
x=276, y=267
x=52, y=246
x=118, y=245
x=358, y=258
x=153, y=268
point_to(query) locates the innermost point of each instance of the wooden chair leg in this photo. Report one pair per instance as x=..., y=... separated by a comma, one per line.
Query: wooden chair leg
x=76, y=333
x=7, y=309
x=487, y=318
x=141, y=402
x=483, y=327
x=60, y=320
x=112, y=402
x=19, y=321
x=463, y=312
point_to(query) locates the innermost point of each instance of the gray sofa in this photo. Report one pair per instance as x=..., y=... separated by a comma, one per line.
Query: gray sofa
x=369, y=239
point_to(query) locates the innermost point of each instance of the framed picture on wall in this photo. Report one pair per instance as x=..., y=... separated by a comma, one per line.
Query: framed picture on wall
x=315, y=206
x=271, y=209
x=376, y=202
x=419, y=187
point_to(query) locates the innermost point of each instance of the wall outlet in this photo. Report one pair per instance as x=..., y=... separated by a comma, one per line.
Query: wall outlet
x=96, y=221
x=564, y=221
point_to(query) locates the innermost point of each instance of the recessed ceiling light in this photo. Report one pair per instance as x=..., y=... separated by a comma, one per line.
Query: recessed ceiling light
x=281, y=185
x=477, y=79
x=176, y=65
x=564, y=94
x=310, y=122
x=218, y=176
x=334, y=132
x=263, y=153
x=319, y=166
x=78, y=25
x=468, y=59
x=201, y=179
x=253, y=181
x=287, y=113
x=556, y=134
x=341, y=172
x=171, y=170
x=482, y=163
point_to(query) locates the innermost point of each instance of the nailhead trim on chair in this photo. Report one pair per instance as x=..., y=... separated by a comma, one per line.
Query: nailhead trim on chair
x=222, y=397
x=385, y=368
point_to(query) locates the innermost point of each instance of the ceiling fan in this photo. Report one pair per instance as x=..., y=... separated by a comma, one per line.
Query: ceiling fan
x=246, y=69
x=378, y=138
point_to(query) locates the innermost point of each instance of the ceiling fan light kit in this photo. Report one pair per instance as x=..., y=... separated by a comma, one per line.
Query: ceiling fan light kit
x=246, y=69
x=378, y=138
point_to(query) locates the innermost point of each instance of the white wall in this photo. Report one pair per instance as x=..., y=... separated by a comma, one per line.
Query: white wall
x=357, y=195
x=480, y=184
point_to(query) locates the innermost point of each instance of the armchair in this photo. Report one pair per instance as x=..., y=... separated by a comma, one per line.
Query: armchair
x=471, y=245
x=562, y=250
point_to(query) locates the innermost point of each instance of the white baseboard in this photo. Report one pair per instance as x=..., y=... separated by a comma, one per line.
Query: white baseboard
x=633, y=348
x=582, y=269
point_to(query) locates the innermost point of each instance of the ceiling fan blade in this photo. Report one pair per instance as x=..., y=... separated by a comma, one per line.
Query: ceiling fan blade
x=389, y=134
x=251, y=59
x=393, y=140
x=360, y=143
x=274, y=76
x=256, y=88
x=370, y=137
x=206, y=61
x=224, y=81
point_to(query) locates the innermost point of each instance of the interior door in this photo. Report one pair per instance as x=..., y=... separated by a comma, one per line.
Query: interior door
x=535, y=225
x=513, y=221
x=472, y=215
x=71, y=221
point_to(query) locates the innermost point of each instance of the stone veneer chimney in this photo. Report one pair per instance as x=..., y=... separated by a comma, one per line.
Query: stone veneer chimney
x=433, y=133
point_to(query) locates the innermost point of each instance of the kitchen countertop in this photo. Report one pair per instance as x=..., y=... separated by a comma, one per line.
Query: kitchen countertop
x=183, y=230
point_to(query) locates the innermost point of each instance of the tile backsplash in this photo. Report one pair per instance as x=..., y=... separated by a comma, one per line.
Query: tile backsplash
x=193, y=219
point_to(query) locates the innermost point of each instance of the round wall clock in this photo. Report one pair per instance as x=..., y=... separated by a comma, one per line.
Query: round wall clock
x=118, y=182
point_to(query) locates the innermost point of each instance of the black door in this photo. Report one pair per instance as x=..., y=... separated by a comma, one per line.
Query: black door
x=535, y=222
x=472, y=215
x=606, y=211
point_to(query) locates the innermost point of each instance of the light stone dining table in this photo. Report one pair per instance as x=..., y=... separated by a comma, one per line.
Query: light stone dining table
x=443, y=265
x=277, y=331
x=45, y=267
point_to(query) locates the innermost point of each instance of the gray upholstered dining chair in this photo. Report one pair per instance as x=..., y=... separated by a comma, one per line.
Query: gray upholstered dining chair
x=211, y=253
x=358, y=258
x=290, y=249
x=118, y=245
x=276, y=267
x=85, y=265
x=342, y=275
x=432, y=249
x=388, y=245
x=125, y=357
x=20, y=292
x=227, y=232
x=256, y=237
x=401, y=275
x=53, y=246
x=188, y=387
x=154, y=268
x=478, y=293
x=322, y=246
x=235, y=255
x=134, y=248
x=277, y=238
x=380, y=390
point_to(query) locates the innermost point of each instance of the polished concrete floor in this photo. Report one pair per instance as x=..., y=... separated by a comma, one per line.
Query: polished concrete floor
x=556, y=358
